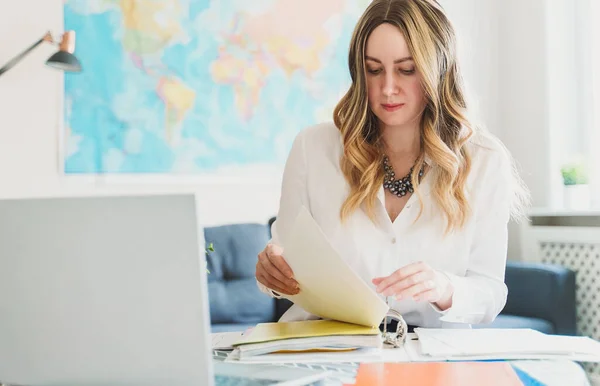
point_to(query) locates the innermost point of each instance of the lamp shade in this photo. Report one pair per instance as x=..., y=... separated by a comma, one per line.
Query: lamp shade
x=64, y=58
x=64, y=61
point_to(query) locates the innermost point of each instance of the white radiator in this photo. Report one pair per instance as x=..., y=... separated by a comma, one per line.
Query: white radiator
x=577, y=248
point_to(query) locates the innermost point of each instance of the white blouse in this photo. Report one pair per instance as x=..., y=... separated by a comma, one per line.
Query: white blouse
x=473, y=257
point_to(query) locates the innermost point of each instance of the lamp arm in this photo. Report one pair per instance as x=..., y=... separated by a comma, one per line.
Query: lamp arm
x=19, y=57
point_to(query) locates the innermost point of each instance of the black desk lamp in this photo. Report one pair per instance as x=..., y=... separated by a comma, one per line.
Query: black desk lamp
x=62, y=60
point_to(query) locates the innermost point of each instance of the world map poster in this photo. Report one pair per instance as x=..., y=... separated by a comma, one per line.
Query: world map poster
x=200, y=86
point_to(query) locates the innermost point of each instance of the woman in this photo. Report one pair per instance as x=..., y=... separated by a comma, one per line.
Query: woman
x=412, y=196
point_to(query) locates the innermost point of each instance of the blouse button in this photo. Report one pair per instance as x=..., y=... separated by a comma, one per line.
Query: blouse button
x=393, y=240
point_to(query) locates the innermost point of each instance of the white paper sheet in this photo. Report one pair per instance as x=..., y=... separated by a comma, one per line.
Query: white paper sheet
x=484, y=344
x=328, y=286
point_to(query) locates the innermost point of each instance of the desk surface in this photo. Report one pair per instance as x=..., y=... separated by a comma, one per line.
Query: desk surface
x=531, y=372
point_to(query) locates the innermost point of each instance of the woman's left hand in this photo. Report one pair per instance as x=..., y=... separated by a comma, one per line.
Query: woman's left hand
x=417, y=281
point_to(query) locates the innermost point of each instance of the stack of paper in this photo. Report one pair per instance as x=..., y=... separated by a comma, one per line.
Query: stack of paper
x=474, y=344
x=311, y=336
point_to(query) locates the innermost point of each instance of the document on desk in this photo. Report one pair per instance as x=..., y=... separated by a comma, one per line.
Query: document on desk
x=329, y=288
x=493, y=343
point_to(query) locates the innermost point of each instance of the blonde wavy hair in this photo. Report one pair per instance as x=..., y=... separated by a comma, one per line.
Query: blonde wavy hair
x=445, y=128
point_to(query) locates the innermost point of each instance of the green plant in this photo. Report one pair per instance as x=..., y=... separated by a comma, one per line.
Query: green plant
x=209, y=249
x=574, y=174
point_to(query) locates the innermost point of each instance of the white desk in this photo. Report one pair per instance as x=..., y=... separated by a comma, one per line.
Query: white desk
x=546, y=372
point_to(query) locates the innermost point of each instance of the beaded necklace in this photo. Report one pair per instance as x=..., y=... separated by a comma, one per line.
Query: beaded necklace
x=400, y=187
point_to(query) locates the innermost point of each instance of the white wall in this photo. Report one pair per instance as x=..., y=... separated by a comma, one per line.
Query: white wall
x=30, y=104
x=476, y=24
x=523, y=90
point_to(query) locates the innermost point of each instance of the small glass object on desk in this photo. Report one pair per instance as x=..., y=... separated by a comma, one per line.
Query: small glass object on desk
x=397, y=338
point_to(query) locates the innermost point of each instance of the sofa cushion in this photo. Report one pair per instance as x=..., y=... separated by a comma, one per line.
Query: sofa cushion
x=512, y=321
x=239, y=301
x=234, y=295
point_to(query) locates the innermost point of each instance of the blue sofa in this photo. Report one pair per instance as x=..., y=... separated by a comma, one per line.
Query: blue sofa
x=540, y=296
x=235, y=301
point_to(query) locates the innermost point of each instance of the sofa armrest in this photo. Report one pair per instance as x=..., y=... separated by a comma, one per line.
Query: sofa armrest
x=542, y=291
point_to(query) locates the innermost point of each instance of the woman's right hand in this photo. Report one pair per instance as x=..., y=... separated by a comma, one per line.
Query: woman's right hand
x=274, y=272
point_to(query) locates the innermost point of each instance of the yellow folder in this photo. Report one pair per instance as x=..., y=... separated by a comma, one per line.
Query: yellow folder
x=268, y=332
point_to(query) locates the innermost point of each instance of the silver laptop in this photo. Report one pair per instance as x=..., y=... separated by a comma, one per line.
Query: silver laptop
x=108, y=291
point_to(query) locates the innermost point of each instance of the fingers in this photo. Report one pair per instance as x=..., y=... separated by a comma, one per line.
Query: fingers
x=273, y=272
x=417, y=290
x=436, y=289
x=398, y=276
x=274, y=253
x=268, y=266
x=273, y=284
x=430, y=296
x=419, y=279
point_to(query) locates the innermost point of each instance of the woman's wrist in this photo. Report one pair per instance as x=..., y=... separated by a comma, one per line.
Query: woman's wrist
x=445, y=301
